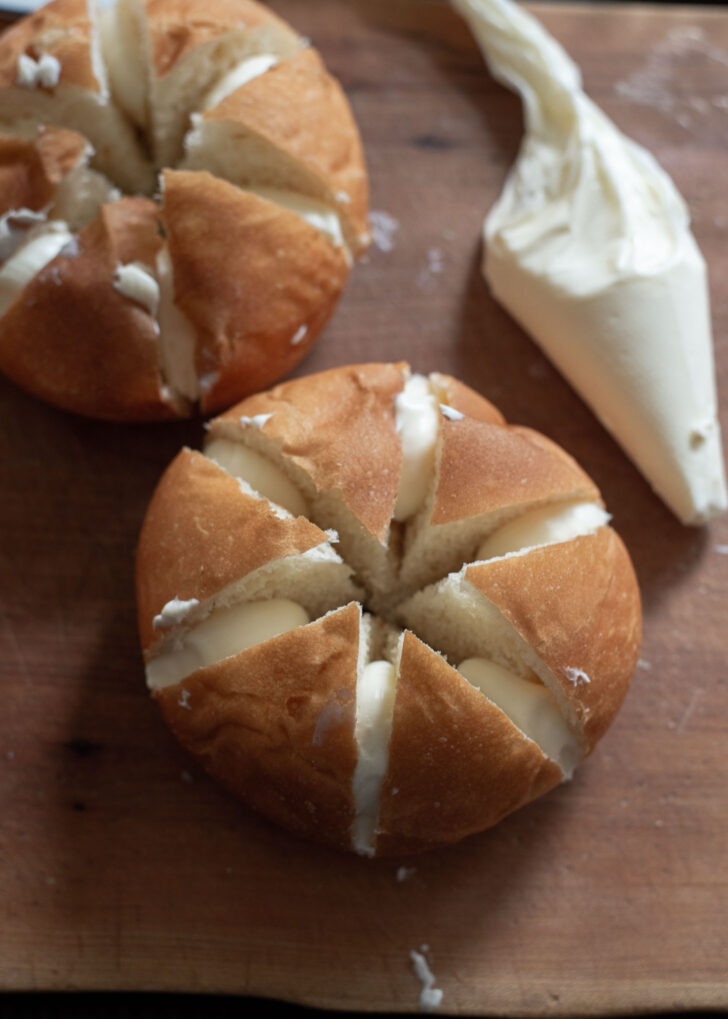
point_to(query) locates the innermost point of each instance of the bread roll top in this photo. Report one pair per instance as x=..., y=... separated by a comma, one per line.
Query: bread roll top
x=336, y=432
x=275, y=725
x=223, y=117
x=218, y=235
x=203, y=533
x=457, y=764
x=494, y=623
x=72, y=300
x=63, y=31
x=289, y=112
x=573, y=606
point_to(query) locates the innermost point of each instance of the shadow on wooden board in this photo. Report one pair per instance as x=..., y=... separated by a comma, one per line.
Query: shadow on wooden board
x=192, y=1006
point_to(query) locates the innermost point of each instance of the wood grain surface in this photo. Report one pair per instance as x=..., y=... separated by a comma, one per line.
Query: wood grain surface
x=122, y=867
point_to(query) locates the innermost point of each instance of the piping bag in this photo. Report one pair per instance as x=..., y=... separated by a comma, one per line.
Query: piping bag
x=589, y=248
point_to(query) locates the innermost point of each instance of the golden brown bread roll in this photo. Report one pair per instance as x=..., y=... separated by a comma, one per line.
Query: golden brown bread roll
x=220, y=121
x=379, y=614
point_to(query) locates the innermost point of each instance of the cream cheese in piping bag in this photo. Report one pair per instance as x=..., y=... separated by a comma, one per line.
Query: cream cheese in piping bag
x=589, y=248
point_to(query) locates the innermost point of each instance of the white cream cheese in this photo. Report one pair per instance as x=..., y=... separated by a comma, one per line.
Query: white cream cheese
x=177, y=335
x=317, y=214
x=417, y=423
x=15, y=227
x=241, y=74
x=530, y=706
x=256, y=421
x=263, y=476
x=44, y=72
x=450, y=413
x=226, y=632
x=300, y=335
x=135, y=281
x=120, y=54
x=548, y=525
x=375, y=690
x=589, y=247
x=29, y=259
x=430, y=996
x=174, y=612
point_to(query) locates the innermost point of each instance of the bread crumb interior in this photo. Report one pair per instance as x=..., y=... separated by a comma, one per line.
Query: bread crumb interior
x=140, y=118
x=449, y=614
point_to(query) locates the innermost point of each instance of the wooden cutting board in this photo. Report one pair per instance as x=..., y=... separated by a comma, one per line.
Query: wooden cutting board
x=123, y=867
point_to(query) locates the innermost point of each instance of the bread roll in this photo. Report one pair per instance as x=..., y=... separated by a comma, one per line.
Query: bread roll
x=218, y=119
x=380, y=615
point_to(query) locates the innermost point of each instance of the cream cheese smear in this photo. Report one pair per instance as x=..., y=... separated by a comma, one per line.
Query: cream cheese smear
x=589, y=247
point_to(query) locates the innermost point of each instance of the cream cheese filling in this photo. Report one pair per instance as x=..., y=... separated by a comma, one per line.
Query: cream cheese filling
x=28, y=260
x=153, y=290
x=174, y=612
x=453, y=617
x=316, y=213
x=375, y=691
x=547, y=525
x=529, y=706
x=177, y=335
x=417, y=418
x=124, y=46
x=263, y=476
x=80, y=195
x=136, y=281
x=15, y=227
x=224, y=633
x=248, y=69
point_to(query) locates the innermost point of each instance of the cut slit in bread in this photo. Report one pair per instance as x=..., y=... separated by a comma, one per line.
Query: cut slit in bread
x=259, y=239
x=454, y=703
x=223, y=634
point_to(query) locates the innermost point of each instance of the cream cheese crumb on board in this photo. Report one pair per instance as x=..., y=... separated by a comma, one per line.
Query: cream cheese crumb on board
x=430, y=996
x=589, y=247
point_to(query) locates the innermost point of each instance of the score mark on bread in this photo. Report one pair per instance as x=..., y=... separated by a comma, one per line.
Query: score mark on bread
x=373, y=597
x=182, y=196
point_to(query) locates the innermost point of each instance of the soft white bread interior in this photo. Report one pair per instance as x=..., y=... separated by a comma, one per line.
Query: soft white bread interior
x=462, y=695
x=209, y=50
x=273, y=133
x=51, y=73
x=297, y=761
x=260, y=195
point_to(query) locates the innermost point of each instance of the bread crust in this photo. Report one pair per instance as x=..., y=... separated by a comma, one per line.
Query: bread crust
x=292, y=107
x=275, y=725
x=249, y=334
x=201, y=533
x=176, y=31
x=32, y=168
x=520, y=472
x=61, y=29
x=576, y=604
x=455, y=764
x=256, y=281
x=464, y=400
x=338, y=427
x=72, y=303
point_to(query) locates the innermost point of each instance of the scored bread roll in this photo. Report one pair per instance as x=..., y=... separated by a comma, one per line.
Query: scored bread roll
x=225, y=123
x=380, y=615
